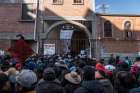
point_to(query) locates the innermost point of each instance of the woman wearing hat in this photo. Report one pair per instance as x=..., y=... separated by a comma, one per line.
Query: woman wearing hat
x=73, y=80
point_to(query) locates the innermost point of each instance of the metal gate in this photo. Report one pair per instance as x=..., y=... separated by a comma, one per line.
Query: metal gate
x=69, y=45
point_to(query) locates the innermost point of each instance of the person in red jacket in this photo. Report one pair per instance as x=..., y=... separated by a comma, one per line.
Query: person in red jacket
x=20, y=50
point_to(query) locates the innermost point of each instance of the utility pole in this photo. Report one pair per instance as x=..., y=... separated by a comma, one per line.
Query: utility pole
x=103, y=8
x=36, y=20
x=36, y=27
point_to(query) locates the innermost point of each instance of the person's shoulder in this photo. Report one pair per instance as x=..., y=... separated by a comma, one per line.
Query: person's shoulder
x=81, y=90
x=31, y=91
x=135, y=90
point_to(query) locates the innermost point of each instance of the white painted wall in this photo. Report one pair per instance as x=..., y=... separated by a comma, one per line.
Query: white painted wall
x=93, y=5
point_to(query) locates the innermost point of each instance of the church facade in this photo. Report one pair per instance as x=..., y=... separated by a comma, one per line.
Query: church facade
x=60, y=26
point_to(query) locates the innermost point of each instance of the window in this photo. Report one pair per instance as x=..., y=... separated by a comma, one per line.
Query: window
x=107, y=29
x=57, y=1
x=127, y=29
x=78, y=1
x=27, y=11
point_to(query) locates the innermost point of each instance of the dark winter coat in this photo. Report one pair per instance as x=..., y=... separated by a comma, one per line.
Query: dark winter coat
x=108, y=88
x=91, y=86
x=69, y=88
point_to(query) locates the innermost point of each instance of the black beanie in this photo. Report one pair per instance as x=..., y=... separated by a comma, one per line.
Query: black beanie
x=49, y=74
x=88, y=73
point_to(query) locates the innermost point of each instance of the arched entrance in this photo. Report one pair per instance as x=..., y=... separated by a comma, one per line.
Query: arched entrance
x=80, y=38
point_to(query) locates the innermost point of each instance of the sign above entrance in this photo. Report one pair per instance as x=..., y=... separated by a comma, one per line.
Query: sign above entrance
x=2, y=52
x=49, y=49
x=66, y=34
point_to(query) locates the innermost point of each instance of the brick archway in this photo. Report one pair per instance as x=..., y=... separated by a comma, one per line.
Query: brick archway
x=71, y=22
x=83, y=27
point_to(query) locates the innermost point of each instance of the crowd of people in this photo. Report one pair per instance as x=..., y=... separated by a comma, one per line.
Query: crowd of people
x=69, y=74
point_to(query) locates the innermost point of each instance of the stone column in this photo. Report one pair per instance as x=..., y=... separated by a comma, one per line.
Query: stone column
x=39, y=27
x=95, y=45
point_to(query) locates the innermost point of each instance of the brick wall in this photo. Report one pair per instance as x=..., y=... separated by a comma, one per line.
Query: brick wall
x=118, y=25
x=120, y=46
x=10, y=20
x=5, y=44
x=118, y=43
x=67, y=8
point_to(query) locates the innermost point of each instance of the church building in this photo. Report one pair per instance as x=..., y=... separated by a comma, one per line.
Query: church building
x=60, y=26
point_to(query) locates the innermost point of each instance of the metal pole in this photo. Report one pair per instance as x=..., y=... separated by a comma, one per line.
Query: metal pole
x=36, y=21
x=36, y=32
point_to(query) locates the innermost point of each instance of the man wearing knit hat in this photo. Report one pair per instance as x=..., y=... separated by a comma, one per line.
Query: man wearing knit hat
x=26, y=81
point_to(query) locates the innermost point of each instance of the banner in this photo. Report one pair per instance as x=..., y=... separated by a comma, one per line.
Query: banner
x=2, y=52
x=66, y=34
x=49, y=49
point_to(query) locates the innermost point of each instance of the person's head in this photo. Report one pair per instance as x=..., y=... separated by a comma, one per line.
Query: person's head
x=7, y=57
x=137, y=59
x=5, y=66
x=26, y=81
x=73, y=77
x=125, y=79
x=12, y=72
x=101, y=61
x=19, y=36
x=49, y=74
x=123, y=66
x=5, y=84
x=58, y=71
x=88, y=73
x=126, y=58
x=117, y=57
x=39, y=74
x=46, y=87
x=112, y=55
x=80, y=63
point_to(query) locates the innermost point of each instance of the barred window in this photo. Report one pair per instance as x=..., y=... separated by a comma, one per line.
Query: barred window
x=127, y=29
x=27, y=10
x=57, y=1
x=78, y=1
x=107, y=29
